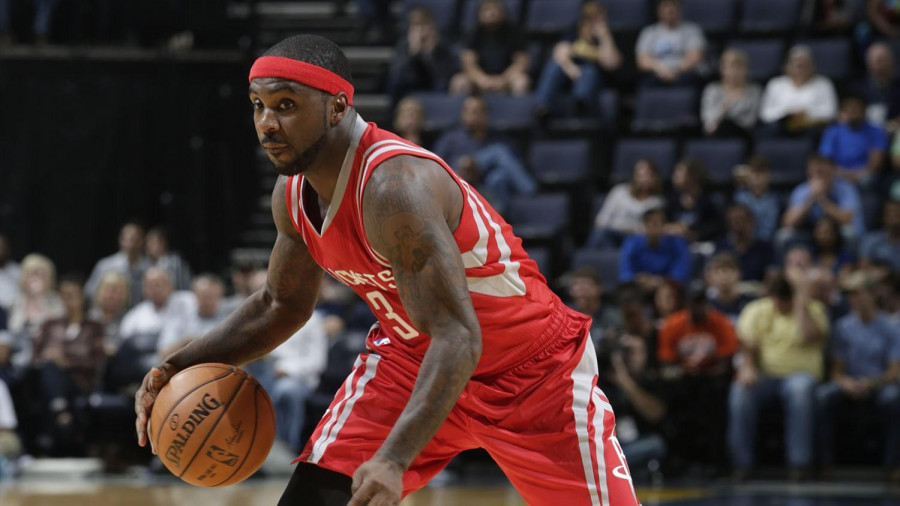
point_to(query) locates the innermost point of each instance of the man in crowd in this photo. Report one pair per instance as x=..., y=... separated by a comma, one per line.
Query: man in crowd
x=586, y=294
x=208, y=290
x=671, y=51
x=651, y=257
x=753, y=254
x=129, y=260
x=856, y=146
x=883, y=247
x=162, y=305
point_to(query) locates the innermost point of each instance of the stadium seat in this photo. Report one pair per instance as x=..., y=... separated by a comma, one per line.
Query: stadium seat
x=470, y=13
x=510, y=113
x=539, y=217
x=542, y=257
x=661, y=152
x=609, y=107
x=664, y=109
x=444, y=12
x=552, y=16
x=560, y=162
x=832, y=57
x=787, y=157
x=714, y=16
x=765, y=57
x=604, y=261
x=597, y=204
x=441, y=110
x=628, y=15
x=769, y=16
x=719, y=157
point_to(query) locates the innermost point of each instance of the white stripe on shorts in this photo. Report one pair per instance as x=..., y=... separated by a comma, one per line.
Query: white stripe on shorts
x=582, y=385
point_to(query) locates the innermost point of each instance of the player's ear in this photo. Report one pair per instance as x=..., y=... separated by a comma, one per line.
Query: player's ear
x=338, y=106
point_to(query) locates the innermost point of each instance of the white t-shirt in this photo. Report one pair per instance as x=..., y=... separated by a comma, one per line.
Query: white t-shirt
x=782, y=98
x=670, y=45
x=145, y=318
x=7, y=412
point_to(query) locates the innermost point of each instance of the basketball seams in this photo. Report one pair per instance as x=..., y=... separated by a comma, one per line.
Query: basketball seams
x=252, y=439
x=175, y=404
x=213, y=428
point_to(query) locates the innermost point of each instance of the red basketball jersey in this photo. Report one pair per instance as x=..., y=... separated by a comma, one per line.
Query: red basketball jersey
x=518, y=312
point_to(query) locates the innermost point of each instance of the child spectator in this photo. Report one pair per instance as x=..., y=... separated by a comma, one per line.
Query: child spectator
x=667, y=299
x=586, y=294
x=723, y=275
x=757, y=197
x=625, y=206
x=754, y=255
x=856, y=146
x=651, y=257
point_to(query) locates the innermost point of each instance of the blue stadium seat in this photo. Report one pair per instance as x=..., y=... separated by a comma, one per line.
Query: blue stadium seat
x=714, y=16
x=665, y=109
x=769, y=16
x=469, y=17
x=719, y=156
x=441, y=110
x=787, y=157
x=628, y=15
x=765, y=57
x=510, y=113
x=552, y=16
x=832, y=57
x=444, y=12
x=543, y=258
x=539, y=217
x=560, y=162
x=604, y=261
x=661, y=152
x=609, y=107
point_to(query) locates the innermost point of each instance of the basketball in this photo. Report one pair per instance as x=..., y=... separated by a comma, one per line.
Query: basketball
x=212, y=425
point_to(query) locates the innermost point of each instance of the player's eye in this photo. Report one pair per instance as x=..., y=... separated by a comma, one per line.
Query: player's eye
x=284, y=105
x=257, y=105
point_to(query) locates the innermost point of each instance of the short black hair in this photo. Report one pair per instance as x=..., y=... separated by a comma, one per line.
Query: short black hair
x=315, y=50
x=652, y=211
x=781, y=288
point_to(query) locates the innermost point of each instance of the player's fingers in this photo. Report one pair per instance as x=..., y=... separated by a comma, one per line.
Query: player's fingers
x=363, y=494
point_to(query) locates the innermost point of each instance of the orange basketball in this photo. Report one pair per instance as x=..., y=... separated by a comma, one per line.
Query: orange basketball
x=212, y=425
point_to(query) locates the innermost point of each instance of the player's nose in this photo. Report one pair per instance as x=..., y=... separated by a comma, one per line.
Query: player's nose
x=267, y=121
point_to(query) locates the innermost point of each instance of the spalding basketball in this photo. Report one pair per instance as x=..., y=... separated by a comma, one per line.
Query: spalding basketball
x=212, y=425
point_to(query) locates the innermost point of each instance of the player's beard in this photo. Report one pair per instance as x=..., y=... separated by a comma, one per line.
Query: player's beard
x=306, y=158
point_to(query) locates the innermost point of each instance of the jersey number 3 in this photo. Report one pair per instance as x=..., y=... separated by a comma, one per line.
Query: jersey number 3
x=381, y=304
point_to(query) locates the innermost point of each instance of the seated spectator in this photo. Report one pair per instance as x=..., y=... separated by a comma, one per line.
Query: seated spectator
x=158, y=255
x=856, y=146
x=865, y=368
x=672, y=50
x=9, y=276
x=109, y=306
x=423, y=61
x=694, y=215
x=179, y=331
x=38, y=302
x=723, y=275
x=799, y=101
x=828, y=17
x=494, y=57
x=883, y=18
x=161, y=305
x=829, y=252
x=729, y=107
x=822, y=281
x=783, y=338
x=10, y=446
x=130, y=261
x=625, y=206
x=667, y=300
x=883, y=247
x=586, y=295
x=822, y=194
x=754, y=255
x=68, y=357
x=758, y=198
x=409, y=118
x=580, y=61
x=880, y=87
x=483, y=159
x=651, y=257
x=244, y=283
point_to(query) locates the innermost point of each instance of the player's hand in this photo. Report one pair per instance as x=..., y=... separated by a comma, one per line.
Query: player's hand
x=146, y=396
x=378, y=482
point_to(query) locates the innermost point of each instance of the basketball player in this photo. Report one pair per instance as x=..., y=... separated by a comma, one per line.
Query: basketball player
x=472, y=349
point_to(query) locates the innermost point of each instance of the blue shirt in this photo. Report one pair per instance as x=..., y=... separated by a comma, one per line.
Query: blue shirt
x=866, y=349
x=842, y=193
x=766, y=210
x=849, y=147
x=670, y=258
x=754, y=261
x=878, y=248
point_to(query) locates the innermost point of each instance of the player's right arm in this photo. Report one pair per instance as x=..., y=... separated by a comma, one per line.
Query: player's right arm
x=262, y=322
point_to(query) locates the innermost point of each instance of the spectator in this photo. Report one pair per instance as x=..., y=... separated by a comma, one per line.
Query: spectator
x=494, y=58
x=729, y=108
x=9, y=276
x=884, y=17
x=176, y=333
x=822, y=195
x=883, y=247
x=423, y=61
x=800, y=100
x=409, y=118
x=828, y=16
x=880, y=88
x=130, y=261
x=650, y=257
x=10, y=446
x=109, y=306
x=580, y=60
x=158, y=255
x=483, y=159
x=244, y=283
x=625, y=206
x=865, y=368
x=783, y=337
x=694, y=215
x=828, y=248
x=37, y=303
x=161, y=306
x=672, y=50
x=822, y=281
x=754, y=255
x=667, y=299
x=757, y=197
x=586, y=294
x=856, y=146
x=723, y=276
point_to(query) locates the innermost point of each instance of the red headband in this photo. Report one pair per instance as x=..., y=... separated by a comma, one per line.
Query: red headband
x=302, y=72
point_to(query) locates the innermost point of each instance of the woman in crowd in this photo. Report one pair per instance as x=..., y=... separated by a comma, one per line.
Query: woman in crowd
x=694, y=216
x=729, y=107
x=37, y=303
x=625, y=206
x=109, y=306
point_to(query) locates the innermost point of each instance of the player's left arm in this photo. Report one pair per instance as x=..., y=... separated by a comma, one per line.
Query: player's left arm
x=409, y=207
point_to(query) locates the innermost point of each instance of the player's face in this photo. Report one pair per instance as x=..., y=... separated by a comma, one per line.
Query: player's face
x=290, y=122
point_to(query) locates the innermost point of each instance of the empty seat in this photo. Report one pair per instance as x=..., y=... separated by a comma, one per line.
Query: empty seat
x=510, y=113
x=832, y=57
x=769, y=16
x=627, y=15
x=719, y=156
x=717, y=16
x=628, y=151
x=765, y=57
x=560, y=162
x=540, y=217
x=597, y=204
x=787, y=158
x=552, y=16
x=444, y=12
x=609, y=107
x=470, y=13
x=441, y=110
x=665, y=109
x=604, y=261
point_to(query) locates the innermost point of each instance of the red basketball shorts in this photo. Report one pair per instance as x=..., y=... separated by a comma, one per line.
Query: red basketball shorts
x=545, y=423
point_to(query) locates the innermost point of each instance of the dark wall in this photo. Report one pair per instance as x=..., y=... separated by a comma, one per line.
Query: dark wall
x=87, y=143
